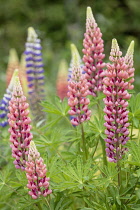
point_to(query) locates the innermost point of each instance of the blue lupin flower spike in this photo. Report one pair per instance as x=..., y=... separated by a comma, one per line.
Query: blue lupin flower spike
x=4, y=103
x=34, y=64
x=35, y=74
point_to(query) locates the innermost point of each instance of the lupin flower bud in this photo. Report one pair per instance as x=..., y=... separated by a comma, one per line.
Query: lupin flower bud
x=62, y=83
x=35, y=74
x=129, y=62
x=22, y=74
x=72, y=60
x=77, y=92
x=4, y=103
x=13, y=63
x=36, y=170
x=20, y=135
x=115, y=88
x=93, y=54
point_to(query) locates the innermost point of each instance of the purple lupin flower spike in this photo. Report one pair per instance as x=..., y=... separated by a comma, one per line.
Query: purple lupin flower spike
x=93, y=54
x=20, y=135
x=36, y=170
x=116, y=101
x=77, y=92
x=35, y=74
x=4, y=103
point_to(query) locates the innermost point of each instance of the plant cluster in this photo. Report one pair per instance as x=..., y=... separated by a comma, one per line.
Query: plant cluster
x=89, y=138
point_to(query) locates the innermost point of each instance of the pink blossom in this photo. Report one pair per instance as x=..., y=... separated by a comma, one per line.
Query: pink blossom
x=20, y=135
x=93, y=54
x=36, y=170
x=77, y=92
x=116, y=84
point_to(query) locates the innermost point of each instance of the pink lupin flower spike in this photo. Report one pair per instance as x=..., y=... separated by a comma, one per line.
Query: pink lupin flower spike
x=36, y=170
x=93, y=54
x=20, y=135
x=77, y=92
x=116, y=101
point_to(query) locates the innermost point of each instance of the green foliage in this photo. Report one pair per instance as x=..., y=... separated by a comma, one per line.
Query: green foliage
x=79, y=178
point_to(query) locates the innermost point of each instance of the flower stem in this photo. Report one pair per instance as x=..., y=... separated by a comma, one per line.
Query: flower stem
x=39, y=206
x=103, y=151
x=83, y=143
x=131, y=130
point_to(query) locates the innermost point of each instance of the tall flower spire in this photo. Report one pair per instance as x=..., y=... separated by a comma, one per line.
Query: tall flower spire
x=13, y=63
x=93, y=54
x=77, y=92
x=4, y=103
x=35, y=74
x=61, y=82
x=20, y=135
x=36, y=170
x=115, y=88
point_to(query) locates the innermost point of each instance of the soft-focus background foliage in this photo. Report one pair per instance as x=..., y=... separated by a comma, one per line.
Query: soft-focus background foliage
x=60, y=22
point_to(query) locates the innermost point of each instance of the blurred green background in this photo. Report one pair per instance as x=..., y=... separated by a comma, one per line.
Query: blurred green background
x=60, y=22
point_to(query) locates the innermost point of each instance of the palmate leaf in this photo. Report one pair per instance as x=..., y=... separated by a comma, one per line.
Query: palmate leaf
x=134, y=108
x=76, y=175
x=134, y=150
x=97, y=126
x=58, y=107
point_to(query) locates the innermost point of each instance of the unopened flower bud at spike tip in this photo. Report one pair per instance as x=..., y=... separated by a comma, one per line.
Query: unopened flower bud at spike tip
x=130, y=50
x=75, y=55
x=31, y=33
x=15, y=74
x=89, y=13
x=115, y=44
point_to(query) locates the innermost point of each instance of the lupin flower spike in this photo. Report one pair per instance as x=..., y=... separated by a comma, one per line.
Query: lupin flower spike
x=36, y=170
x=62, y=83
x=20, y=135
x=34, y=65
x=77, y=92
x=115, y=88
x=13, y=64
x=35, y=74
x=93, y=54
x=4, y=103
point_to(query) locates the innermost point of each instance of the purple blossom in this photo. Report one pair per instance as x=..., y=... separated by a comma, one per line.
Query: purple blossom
x=116, y=101
x=4, y=103
x=35, y=74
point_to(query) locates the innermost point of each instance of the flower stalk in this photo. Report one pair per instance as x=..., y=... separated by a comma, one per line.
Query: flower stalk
x=36, y=170
x=19, y=122
x=93, y=54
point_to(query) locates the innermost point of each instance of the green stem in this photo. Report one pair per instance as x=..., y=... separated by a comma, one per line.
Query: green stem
x=47, y=203
x=139, y=134
x=93, y=153
x=83, y=143
x=39, y=206
x=103, y=151
x=131, y=130
x=119, y=174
